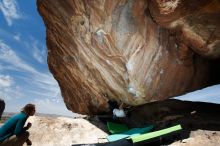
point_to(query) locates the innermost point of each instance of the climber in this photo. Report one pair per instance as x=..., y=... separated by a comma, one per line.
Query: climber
x=13, y=132
x=119, y=112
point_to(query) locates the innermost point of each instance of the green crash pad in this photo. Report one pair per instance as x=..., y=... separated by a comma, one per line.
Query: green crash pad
x=151, y=135
x=115, y=128
x=131, y=132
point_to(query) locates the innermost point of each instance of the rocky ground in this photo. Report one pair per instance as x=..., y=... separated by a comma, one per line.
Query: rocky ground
x=65, y=131
x=200, y=138
x=50, y=130
x=62, y=131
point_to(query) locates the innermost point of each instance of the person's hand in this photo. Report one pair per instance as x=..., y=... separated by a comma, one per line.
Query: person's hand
x=29, y=125
x=28, y=142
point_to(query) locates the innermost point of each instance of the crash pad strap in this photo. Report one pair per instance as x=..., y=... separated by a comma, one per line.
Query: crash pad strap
x=143, y=137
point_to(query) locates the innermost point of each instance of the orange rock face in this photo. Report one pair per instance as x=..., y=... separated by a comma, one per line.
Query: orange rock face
x=130, y=51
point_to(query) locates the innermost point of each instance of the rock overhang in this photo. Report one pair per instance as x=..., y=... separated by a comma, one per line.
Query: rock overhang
x=130, y=51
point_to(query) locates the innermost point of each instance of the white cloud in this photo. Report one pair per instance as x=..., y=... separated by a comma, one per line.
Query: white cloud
x=46, y=91
x=38, y=85
x=7, y=89
x=5, y=81
x=39, y=51
x=1, y=67
x=17, y=37
x=9, y=56
x=10, y=10
x=6, y=35
x=50, y=106
x=38, y=55
x=44, y=83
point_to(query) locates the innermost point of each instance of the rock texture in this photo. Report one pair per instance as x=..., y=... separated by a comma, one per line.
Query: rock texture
x=196, y=22
x=62, y=131
x=130, y=51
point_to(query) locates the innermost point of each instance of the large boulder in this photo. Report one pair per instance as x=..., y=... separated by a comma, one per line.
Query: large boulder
x=130, y=51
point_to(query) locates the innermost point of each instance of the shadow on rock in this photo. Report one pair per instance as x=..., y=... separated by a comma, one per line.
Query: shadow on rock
x=191, y=116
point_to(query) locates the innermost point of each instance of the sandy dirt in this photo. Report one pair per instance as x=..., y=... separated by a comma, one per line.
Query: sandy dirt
x=200, y=138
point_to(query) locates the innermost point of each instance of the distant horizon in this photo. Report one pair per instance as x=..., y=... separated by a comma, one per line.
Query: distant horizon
x=46, y=114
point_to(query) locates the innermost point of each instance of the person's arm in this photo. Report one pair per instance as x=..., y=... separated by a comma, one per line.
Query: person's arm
x=20, y=127
x=121, y=105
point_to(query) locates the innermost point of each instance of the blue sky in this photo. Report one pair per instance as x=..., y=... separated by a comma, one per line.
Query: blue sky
x=24, y=74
